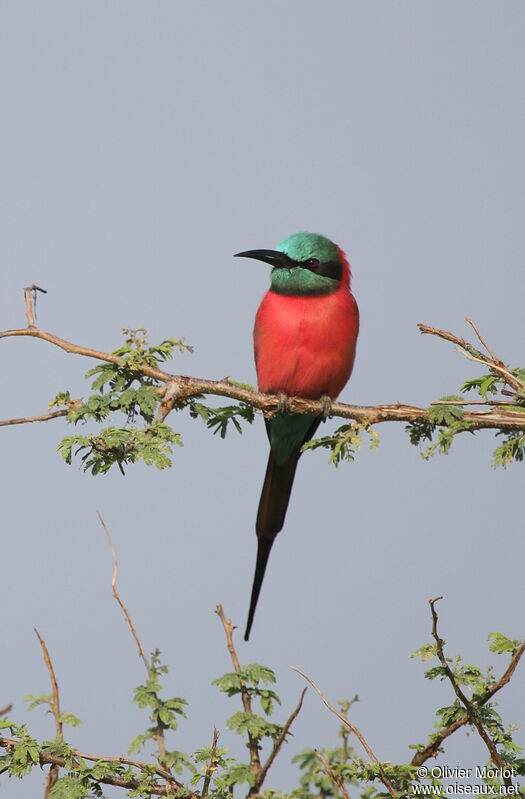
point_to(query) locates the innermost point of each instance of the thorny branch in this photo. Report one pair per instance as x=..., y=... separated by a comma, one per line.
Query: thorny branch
x=345, y=732
x=465, y=701
x=384, y=779
x=117, y=597
x=493, y=363
x=56, y=762
x=52, y=776
x=337, y=781
x=212, y=765
x=255, y=760
x=259, y=771
x=433, y=747
x=182, y=387
x=279, y=741
x=159, y=736
x=44, y=417
x=47, y=759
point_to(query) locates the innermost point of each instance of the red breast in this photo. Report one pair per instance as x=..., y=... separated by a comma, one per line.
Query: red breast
x=305, y=346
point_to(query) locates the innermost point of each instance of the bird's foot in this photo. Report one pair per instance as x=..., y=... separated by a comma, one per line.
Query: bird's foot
x=284, y=402
x=327, y=407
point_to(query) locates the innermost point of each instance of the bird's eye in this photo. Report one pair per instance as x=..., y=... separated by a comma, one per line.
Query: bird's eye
x=312, y=262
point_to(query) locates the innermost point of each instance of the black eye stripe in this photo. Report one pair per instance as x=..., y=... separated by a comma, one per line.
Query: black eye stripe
x=331, y=269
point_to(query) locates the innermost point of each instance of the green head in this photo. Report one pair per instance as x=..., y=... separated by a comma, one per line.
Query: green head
x=303, y=264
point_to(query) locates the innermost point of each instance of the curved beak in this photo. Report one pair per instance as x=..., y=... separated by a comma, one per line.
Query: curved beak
x=272, y=257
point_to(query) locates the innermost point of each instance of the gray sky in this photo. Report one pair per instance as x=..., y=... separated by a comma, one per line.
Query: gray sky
x=142, y=144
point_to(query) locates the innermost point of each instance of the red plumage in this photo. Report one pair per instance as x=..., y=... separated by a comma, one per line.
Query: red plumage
x=305, y=346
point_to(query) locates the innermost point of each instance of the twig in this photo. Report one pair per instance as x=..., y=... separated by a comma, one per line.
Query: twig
x=338, y=782
x=259, y=771
x=486, y=403
x=255, y=760
x=117, y=597
x=469, y=352
x=384, y=779
x=127, y=761
x=506, y=676
x=433, y=747
x=44, y=417
x=468, y=705
x=494, y=367
x=55, y=707
x=88, y=352
x=47, y=759
x=30, y=294
x=279, y=742
x=345, y=732
x=5, y=710
x=478, y=334
x=52, y=776
x=212, y=765
x=159, y=736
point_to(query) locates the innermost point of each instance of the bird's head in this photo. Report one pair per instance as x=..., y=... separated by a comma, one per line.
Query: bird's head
x=304, y=264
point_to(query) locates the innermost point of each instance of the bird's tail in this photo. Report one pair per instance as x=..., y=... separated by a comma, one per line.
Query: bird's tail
x=273, y=505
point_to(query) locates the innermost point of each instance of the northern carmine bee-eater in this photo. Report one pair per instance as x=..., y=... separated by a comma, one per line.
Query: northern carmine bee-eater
x=304, y=339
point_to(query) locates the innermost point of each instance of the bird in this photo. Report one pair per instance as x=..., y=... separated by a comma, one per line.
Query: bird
x=305, y=338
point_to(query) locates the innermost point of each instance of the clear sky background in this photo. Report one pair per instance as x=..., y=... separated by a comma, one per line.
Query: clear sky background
x=142, y=144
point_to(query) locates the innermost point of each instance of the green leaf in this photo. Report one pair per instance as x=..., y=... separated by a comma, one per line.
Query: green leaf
x=36, y=701
x=443, y=414
x=484, y=385
x=252, y=724
x=70, y=719
x=500, y=643
x=512, y=449
x=344, y=443
x=426, y=652
x=70, y=787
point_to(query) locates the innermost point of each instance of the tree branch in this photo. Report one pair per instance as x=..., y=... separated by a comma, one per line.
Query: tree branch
x=159, y=736
x=183, y=387
x=255, y=760
x=433, y=747
x=44, y=417
x=119, y=600
x=52, y=776
x=478, y=334
x=212, y=765
x=47, y=759
x=473, y=355
x=465, y=701
x=279, y=742
x=383, y=777
x=337, y=781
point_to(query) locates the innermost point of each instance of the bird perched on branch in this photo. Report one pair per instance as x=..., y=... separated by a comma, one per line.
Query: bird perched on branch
x=304, y=339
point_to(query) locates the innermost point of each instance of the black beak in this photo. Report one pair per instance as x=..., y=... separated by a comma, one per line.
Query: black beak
x=272, y=257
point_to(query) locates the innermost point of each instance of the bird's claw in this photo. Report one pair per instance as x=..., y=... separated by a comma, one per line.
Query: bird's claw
x=327, y=407
x=284, y=403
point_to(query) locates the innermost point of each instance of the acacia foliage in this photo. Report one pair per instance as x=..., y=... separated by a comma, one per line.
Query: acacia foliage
x=127, y=408
x=215, y=771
